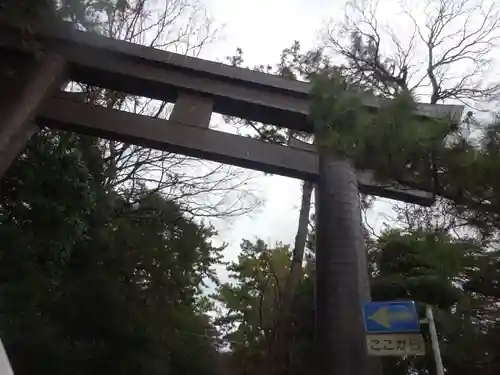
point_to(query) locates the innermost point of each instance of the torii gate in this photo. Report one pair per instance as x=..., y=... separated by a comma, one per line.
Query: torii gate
x=198, y=88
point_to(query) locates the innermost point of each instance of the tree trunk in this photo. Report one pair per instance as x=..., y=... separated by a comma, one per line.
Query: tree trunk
x=284, y=319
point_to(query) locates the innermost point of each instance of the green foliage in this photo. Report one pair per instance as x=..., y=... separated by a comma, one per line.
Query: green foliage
x=24, y=12
x=435, y=268
x=252, y=303
x=390, y=140
x=425, y=267
x=338, y=114
x=402, y=147
x=87, y=14
x=260, y=275
x=431, y=266
x=91, y=284
x=458, y=277
x=437, y=264
x=294, y=64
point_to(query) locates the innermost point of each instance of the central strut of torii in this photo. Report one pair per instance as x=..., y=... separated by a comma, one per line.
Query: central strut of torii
x=198, y=88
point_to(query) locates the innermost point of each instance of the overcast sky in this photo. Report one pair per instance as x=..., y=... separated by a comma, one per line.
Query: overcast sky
x=262, y=28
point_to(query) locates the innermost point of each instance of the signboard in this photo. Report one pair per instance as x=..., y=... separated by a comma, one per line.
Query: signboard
x=389, y=317
x=395, y=344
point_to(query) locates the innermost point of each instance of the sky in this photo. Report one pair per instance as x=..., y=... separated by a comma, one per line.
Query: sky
x=262, y=28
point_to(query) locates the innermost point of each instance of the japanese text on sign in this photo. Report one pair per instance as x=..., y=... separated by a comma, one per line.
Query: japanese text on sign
x=395, y=344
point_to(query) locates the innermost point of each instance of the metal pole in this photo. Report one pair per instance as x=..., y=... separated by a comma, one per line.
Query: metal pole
x=434, y=340
x=342, y=284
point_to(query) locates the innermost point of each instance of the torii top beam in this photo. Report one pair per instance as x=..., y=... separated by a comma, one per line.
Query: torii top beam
x=207, y=86
x=140, y=70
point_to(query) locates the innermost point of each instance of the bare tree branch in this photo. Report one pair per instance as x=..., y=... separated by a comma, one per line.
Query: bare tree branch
x=447, y=55
x=202, y=188
x=456, y=39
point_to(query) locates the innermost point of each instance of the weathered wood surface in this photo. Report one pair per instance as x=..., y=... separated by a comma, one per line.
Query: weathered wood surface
x=298, y=162
x=341, y=273
x=21, y=101
x=162, y=75
x=210, y=86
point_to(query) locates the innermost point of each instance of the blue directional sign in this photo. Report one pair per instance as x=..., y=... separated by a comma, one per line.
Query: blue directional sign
x=391, y=317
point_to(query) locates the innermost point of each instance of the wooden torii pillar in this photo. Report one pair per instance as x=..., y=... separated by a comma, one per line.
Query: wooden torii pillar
x=341, y=271
x=199, y=87
x=21, y=100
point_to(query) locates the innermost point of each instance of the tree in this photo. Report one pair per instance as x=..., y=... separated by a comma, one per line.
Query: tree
x=294, y=64
x=426, y=265
x=430, y=266
x=444, y=57
x=414, y=154
x=457, y=39
x=100, y=266
x=202, y=188
x=90, y=277
x=253, y=303
x=433, y=267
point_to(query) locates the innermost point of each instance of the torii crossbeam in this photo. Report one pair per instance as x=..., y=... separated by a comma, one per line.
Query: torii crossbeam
x=198, y=88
